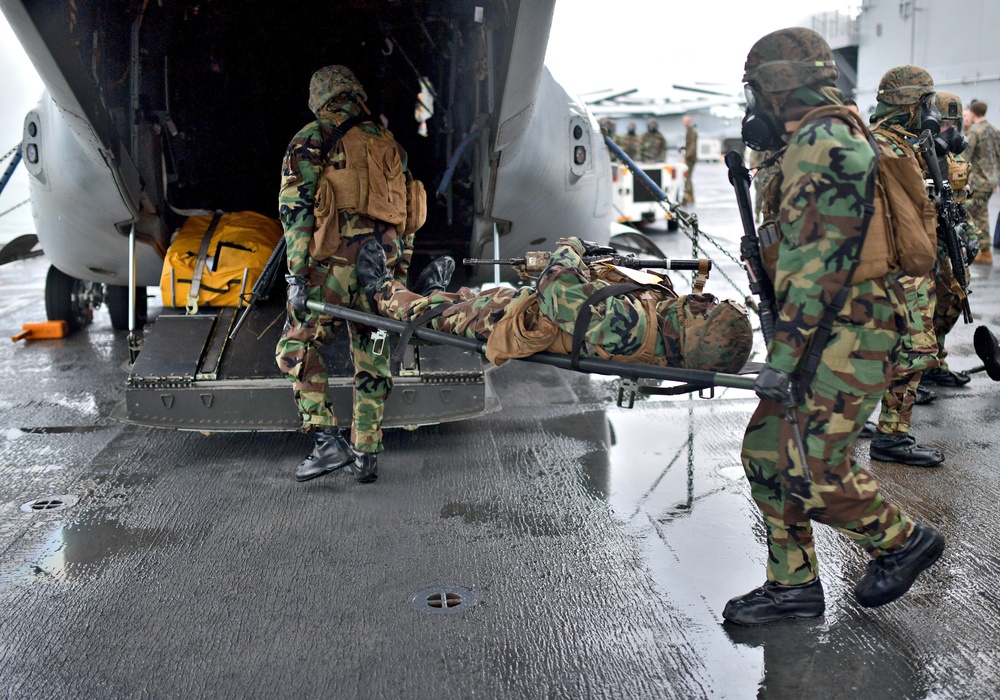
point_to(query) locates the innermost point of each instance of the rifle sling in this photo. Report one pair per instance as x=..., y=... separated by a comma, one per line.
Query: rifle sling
x=587, y=310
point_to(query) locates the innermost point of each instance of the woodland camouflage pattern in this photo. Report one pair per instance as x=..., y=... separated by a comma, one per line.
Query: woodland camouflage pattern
x=918, y=351
x=333, y=281
x=652, y=147
x=822, y=182
x=690, y=160
x=721, y=339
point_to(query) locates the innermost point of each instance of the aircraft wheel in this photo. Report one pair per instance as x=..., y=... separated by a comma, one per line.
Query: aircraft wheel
x=117, y=301
x=71, y=300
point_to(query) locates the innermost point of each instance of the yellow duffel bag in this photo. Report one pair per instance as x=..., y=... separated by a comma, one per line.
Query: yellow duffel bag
x=213, y=257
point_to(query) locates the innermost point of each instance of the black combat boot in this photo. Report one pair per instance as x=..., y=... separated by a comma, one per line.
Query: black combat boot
x=924, y=395
x=890, y=575
x=945, y=377
x=988, y=350
x=435, y=277
x=364, y=468
x=372, y=271
x=776, y=601
x=331, y=452
x=904, y=450
x=869, y=430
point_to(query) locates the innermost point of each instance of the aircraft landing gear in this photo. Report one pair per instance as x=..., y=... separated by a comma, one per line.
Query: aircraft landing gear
x=71, y=300
x=116, y=297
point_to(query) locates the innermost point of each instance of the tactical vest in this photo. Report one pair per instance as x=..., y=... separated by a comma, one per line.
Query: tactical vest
x=372, y=183
x=901, y=232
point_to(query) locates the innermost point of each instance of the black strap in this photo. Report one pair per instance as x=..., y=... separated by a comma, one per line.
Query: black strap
x=421, y=320
x=583, y=318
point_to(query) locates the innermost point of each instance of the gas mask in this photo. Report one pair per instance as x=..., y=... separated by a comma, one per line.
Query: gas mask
x=760, y=131
x=930, y=117
x=951, y=141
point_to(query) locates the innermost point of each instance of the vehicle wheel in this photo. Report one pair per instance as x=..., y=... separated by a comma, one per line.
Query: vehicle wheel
x=71, y=300
x=116, y=298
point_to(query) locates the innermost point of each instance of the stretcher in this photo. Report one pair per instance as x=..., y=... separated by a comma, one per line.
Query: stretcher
x=690, y=380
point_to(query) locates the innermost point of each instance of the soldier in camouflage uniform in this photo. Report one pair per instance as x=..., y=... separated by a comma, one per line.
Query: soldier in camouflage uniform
x=822, y=183
x=651, y=326
x=653, y=146
x=326, y=273
x=611, y=129
x=904, y=99
x=947, y=291
x=984, y=157
x=690, y=157
x=630, y=142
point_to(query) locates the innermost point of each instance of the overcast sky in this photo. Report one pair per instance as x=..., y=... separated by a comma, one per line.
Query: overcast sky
x=616, y=44
x=651, y=44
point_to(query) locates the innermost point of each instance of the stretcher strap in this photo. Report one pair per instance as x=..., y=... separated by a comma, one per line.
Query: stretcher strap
x=414, y=323
x=701, y=278
x=583, y=318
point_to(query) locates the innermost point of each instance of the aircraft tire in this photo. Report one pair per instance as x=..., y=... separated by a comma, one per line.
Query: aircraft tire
x=116, y=297
x=71, y=300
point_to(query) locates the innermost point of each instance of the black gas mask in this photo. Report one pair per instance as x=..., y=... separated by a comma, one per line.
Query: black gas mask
x=930, y=117
x=761, y=130
x=951, y=141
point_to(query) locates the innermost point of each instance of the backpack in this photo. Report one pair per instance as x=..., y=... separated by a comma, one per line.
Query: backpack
x=902, y=232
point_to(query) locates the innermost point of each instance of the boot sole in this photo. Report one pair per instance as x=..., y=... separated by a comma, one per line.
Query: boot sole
x=790, y=616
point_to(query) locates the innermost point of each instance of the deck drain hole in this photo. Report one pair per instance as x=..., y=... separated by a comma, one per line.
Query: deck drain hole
x=444, y=599
x=49, y=503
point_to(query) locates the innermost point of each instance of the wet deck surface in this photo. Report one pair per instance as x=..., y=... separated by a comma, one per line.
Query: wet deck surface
x=602, y=543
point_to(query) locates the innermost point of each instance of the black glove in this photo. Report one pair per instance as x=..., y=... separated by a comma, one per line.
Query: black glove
x=971, y=249
x=774, y=385
x=591, y=249
x=298, y=292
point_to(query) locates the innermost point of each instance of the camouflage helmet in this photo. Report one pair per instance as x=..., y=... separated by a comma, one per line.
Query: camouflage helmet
x=719, y=340
x=788, y=59
x=950, y=105
x=608, y=125
x=331, y=81
x=652, y=125
x=904, y=85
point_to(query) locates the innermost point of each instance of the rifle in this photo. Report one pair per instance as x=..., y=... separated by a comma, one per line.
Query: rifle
x=262, y=287
x=760, y=283
x=951, y=224
x=536, y=261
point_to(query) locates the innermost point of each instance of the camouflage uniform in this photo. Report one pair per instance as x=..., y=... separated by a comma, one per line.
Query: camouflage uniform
x=629, y=142
x=333, y=280
x=947, y=292
x=898, y=103
x=821, y=181
x=690, y=160
x=984, y=157
x=694, y=331
x=653, y=146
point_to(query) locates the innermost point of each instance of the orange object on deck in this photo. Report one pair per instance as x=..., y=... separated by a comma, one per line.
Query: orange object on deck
x=42, y=331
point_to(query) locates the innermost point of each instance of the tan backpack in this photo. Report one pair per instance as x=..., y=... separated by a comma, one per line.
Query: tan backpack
x=902, y=231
